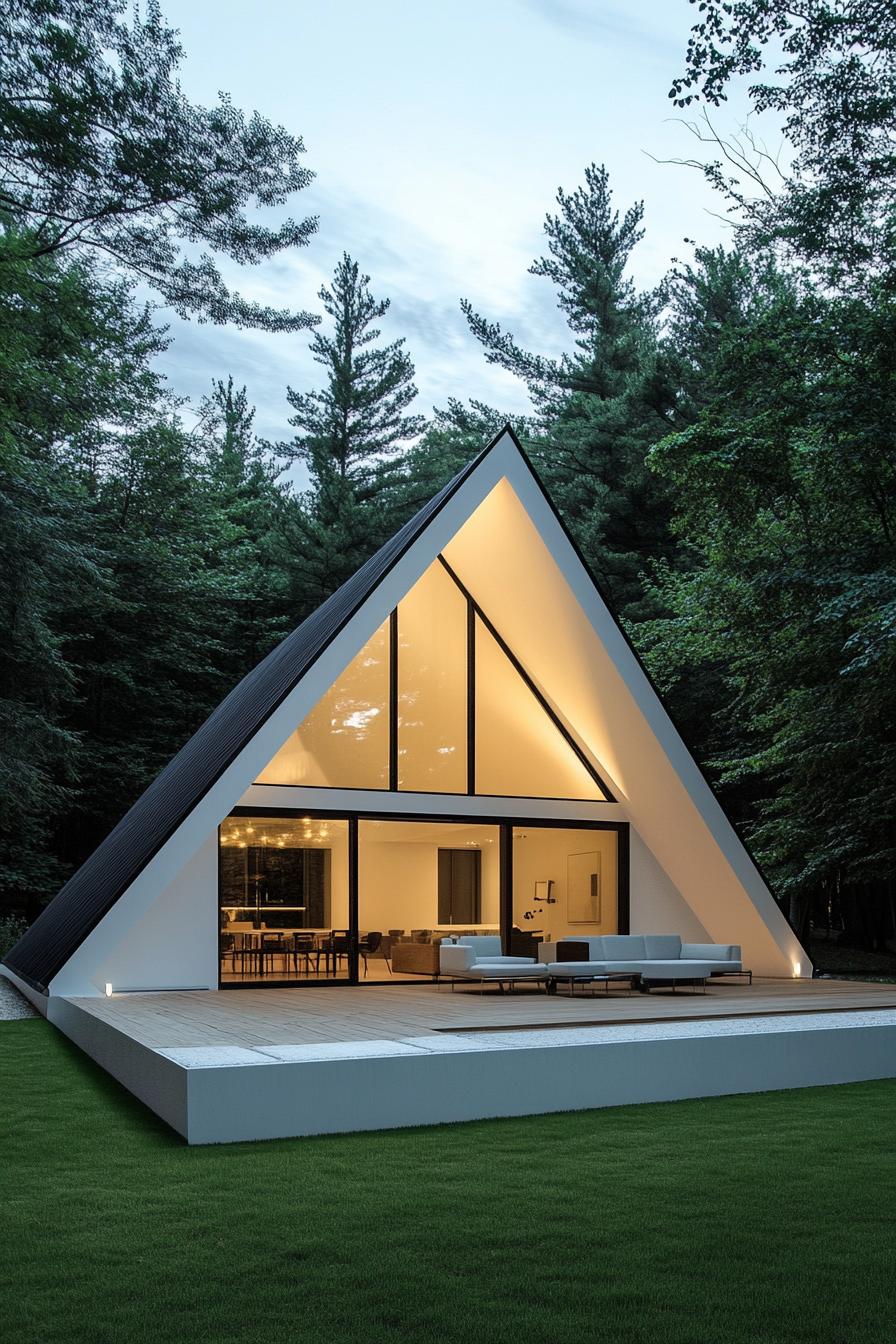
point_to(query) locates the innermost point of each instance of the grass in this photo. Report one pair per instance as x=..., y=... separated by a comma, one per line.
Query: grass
x=758, y=1218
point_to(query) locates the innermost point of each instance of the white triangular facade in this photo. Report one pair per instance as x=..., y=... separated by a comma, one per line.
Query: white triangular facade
x=690, y=873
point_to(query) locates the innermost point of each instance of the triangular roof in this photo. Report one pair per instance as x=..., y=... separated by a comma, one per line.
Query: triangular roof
x=192, y=775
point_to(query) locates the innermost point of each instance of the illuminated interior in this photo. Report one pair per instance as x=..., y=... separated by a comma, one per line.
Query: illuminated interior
x=565, y=882
x=419, y=882
x=519, y=748
x=285, y=903
x=432, y=686
x=344, y=741
x=283, y=884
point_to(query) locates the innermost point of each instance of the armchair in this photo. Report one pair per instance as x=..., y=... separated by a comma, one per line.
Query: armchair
x=479, y=957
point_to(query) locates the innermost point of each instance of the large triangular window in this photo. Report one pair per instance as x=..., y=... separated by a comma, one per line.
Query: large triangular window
x=436, y=702
x=432, y=686
x=520, y=749
x=344, y=742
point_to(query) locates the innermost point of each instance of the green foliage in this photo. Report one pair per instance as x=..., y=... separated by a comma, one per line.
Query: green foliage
x=351, y=434
x=780, y=648
x=102, y=153
x=786, y=490
x=139, y=560
x=11, y=930
x=833, y=86
x=140, y=579
x=600, y=407
x=452, y=438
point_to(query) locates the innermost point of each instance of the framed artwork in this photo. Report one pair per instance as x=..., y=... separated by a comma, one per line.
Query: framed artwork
x=583, y=888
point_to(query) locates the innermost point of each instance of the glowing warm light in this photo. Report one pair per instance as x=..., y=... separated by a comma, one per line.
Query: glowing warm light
x=797, y=968
x=108, y=990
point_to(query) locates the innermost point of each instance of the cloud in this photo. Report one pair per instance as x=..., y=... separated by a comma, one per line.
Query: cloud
x=583, y=19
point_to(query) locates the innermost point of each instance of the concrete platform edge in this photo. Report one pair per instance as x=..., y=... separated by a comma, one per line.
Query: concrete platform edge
x=340, y=1096
x=156, y=1081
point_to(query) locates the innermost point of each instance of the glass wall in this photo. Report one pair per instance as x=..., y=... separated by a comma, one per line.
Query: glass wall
x=417, y=883
x=284, y=901
x=344, y=741
x=519, y=749
x=565, y=882
x=432, y=686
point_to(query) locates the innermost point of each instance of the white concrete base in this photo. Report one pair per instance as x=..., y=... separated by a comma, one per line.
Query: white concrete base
x=224, y=1094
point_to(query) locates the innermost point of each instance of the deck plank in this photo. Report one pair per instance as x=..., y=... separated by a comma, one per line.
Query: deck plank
x=310, y=1015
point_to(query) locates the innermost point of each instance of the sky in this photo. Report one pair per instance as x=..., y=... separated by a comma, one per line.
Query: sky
x=439, y=132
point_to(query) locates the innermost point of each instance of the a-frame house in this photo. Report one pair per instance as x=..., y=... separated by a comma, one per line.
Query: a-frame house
x=460, y=737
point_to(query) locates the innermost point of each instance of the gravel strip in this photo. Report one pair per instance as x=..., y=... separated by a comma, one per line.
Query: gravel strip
x=14, y=1005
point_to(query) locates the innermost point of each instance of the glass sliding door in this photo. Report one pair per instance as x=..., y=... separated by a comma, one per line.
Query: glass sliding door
x=284, y=900
x=565, y=883
x=419, y=882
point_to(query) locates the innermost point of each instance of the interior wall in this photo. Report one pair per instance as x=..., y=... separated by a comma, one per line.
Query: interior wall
x=398, y=880
x=541, y=854
x=339, y=885
x=397, y=885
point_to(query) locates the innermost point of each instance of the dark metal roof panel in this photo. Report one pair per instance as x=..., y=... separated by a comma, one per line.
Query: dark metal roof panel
x=92, y=891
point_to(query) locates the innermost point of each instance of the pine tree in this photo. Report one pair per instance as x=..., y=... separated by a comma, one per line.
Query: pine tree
x=248, y=508
x=351, y=436
x=602, y=406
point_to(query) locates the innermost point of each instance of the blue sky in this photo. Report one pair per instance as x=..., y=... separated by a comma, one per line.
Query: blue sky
x=439, y=133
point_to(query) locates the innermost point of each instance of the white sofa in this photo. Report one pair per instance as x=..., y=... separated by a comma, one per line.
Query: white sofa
x=653, y=957
x=478, y=957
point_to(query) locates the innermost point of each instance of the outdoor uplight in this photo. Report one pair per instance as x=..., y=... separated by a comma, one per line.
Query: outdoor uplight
x=108, y=990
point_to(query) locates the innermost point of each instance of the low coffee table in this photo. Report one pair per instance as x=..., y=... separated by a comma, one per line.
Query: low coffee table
x=574, y=979
x=676, y=973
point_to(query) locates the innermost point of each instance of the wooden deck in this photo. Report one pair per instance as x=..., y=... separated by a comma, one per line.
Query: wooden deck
x=310, y=1015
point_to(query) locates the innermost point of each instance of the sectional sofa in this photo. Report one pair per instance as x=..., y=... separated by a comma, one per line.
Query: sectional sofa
x=653, y=957
x=659, y=958
x=478, y=957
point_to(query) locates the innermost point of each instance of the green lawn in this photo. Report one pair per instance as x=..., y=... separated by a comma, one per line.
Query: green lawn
x=758, y=1218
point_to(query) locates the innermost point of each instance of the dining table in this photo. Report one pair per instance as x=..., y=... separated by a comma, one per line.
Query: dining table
x=318, y=943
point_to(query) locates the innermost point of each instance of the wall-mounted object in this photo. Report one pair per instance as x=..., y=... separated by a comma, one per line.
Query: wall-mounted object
x=583, y=888
x=544, y=891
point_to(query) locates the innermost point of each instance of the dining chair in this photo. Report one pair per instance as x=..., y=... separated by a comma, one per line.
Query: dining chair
x=340, y=944
x=304, y=947
x=273, y=945
x=370, y=944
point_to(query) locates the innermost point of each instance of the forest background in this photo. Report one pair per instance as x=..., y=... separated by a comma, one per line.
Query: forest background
x=722, y=445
